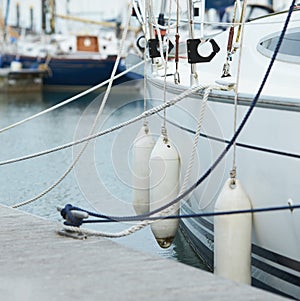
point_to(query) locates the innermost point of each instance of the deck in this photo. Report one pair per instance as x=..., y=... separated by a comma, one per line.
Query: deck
x=38, y=264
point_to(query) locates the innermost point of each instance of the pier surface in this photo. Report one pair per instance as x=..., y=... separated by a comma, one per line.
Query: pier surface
x=38, y=264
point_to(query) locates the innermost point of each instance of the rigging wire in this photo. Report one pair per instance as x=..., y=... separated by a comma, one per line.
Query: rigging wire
x=144, y=25
x=236, y=90
x=177, y=36
x=164, y=127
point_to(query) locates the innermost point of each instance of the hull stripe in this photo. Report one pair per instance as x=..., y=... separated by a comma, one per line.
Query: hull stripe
x=280, y=259
x=199, y=225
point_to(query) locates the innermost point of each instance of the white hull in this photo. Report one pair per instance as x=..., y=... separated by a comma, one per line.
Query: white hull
x=270, y=179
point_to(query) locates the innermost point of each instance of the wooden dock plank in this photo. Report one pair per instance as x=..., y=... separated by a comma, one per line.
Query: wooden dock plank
x=38, y=264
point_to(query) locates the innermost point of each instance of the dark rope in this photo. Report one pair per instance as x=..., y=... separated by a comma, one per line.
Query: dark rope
x=69, y=217
x=202, y=214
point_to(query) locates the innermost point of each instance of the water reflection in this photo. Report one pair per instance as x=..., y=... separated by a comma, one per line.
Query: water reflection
x=26, y=179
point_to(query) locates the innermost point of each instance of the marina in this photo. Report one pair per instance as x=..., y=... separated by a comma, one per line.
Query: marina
x=180, y=143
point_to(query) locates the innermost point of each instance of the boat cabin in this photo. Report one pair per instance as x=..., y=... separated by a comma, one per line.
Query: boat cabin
x=87, y=43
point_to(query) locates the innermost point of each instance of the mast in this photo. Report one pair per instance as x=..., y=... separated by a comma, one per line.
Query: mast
x=6, y=12
x=52, y=16
x=68, y=7
x=161, y=17
x=31, y=18
x=48, y=16
x=2, y=26
x=18, y=15
x=44, y=10
x=6, y=19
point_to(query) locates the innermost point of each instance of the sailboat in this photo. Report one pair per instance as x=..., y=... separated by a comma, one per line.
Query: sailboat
x=240, y=89
x=70, y=60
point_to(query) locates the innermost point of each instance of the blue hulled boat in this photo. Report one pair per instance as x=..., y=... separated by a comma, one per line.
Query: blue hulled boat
x=74, y=61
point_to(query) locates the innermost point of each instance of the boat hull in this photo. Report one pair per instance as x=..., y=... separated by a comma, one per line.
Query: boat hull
x=267, y=154
x=71, y=71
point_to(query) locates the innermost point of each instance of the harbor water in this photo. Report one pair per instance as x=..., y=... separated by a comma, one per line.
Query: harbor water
x=100, y=181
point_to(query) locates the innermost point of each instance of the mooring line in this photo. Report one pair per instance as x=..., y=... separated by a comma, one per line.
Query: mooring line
x=215, y=163
x=102, y=218
x=145, y=114
x=71, y=99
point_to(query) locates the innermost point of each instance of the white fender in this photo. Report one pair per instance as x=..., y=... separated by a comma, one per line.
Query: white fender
x=232, y=234
x=164, y=187
x=141, y=151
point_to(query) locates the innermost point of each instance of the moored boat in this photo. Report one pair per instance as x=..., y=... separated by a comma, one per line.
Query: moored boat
x=72, y=57
x=74, y=61
x=265, y=157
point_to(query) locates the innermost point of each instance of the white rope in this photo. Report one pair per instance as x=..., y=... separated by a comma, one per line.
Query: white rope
x=123, y=233
x=139, y=12
x=177, y=36
x=196, y=140
x=95, y=122
x=168, y=210
x=145, y=114
x=69, y=100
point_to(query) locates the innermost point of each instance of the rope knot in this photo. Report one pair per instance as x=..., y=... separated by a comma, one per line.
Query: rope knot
x=73, y=216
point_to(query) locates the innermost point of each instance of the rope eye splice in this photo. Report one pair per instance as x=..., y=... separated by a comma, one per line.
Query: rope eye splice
x=72, y=218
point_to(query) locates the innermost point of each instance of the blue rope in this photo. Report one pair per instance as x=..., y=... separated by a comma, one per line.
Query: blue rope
x=108, y=219
x=197, y=215
x=71, y=220
x=224, y=152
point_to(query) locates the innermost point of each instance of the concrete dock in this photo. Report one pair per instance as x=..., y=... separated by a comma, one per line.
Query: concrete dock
x=38, y=264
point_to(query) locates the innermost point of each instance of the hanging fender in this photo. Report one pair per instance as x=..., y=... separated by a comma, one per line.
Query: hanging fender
x=192, y=50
